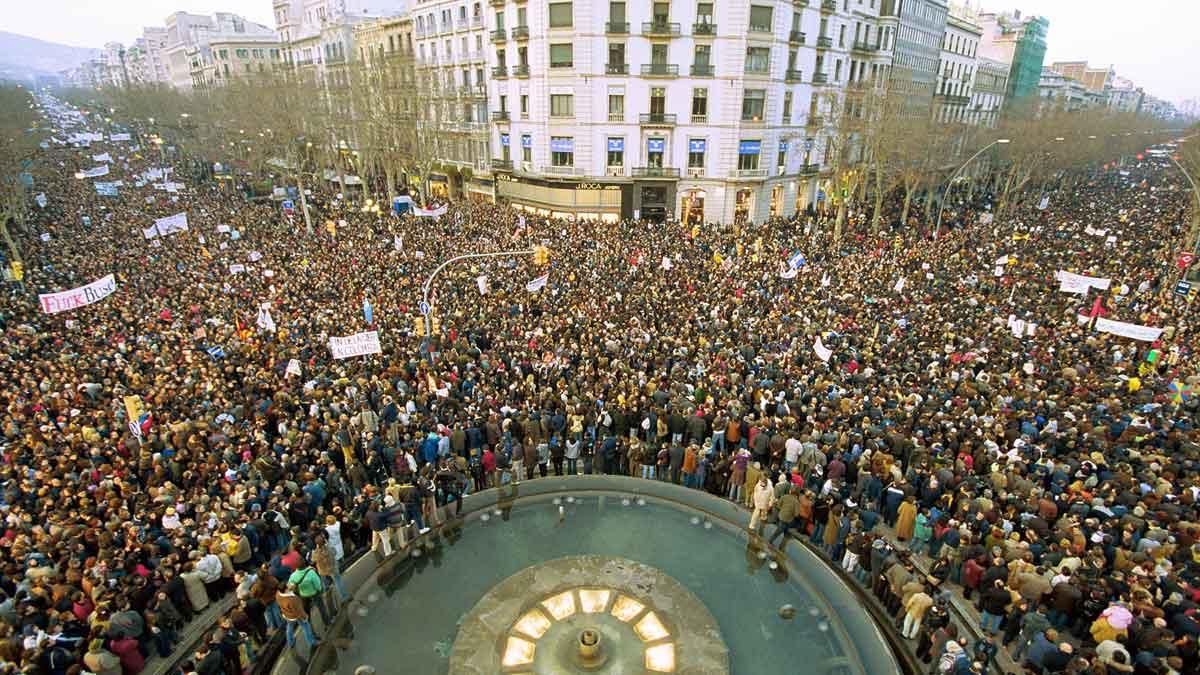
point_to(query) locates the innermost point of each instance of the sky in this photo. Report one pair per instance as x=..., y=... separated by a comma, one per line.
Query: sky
x=1151, y=42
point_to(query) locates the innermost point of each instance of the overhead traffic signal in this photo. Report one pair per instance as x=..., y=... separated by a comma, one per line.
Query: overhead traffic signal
x=541, y=255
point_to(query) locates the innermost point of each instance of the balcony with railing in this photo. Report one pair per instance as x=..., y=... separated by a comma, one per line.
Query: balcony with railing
x=864, y=47
x=809, y=169
x=814, y=122
x=617, y=28
x=521, y=70
x=502, y=165
x=828, y=5
x=616, y=68
x=655, y=172
x=702, y=70
x=660, y=29
x=704, y=29
x=657, y=119
x=800, y=3
x=824, y=42
x=551, y=170
x=499, y=72
x=500, y=116
x=520, y=33
x=793, y=75
x=473, y=91
x=660, y=70
x=749, y=173
x=797, y=37
x=477, y=21
x=499, y=35
x=951, y=99
x=461, y=24
x=820, y=78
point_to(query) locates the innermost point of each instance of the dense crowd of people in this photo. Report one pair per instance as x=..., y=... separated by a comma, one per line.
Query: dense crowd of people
x=967, y=431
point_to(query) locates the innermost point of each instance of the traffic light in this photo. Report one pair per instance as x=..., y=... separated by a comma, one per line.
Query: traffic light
x=419, y=326
x=435, y=326
x=541, y=255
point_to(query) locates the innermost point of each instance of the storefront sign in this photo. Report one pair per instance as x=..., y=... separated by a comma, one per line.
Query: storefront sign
x=562, y=144
x=656, y=145
x=616, y=145
x=696, y=145
x=526, y=141
x=749, y=147
x=504, y=140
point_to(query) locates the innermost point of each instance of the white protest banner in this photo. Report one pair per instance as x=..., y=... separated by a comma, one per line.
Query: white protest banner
x=822, y=351
x=1070, y=282
x=255, y=256
x=431, y=213
x=899, y=287
x=397, y=243
x=150, y=232
x=1044, y=203
x=359, y=344
x=986, y=218
x=482, y=282
x=268, y=273
x=1002, y=260
x=45, y=236
x=172, y=224
x=538, y=283
x=41, y=200
x=789, y=273
x=223, y=229
x=120, y=137
x=96, y=172
x=1130, y=330
x=102, y=158
x=237, y=268
x=293, y=367
x=53, y=303
x=825, y=280
x=1110, y=241
x=666, y=263
x=265, y=321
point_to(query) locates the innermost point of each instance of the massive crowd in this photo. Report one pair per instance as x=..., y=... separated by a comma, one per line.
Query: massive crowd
x=968, y=422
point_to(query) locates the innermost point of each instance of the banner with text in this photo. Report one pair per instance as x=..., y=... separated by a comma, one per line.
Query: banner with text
x=53, y=303
x=1130, y=330
x=359, y=344
x=1079, y=283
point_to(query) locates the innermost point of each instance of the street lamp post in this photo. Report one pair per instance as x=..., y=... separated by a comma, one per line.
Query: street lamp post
x=429, y=282
x=946, y=192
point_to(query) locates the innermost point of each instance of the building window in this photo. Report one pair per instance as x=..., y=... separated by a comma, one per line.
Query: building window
x=704, y=11
x=758, y=59
x=658, y=100
x=753, y=103
x=503, y=103
x=526, y=148
x=760, y=19
x=699, y=103
x=524, y=105
x=616, y=152
x=655, y=148
x=499, y=20
x=560, y=15
x=562, y=55
x=781, y=160
x=842, y=36
x=748, y=155
x=562, y=105
x=616, y=54
x=703, y=55
x=616, y=12
x=562, y=151
x=696, y=148
x=616, y=107
x=787, y=107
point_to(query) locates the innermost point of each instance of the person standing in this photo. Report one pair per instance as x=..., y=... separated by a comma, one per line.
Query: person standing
x=914, y=612
x=310, y=588
x=789, y=505
x=292, y=608
x=763, y=500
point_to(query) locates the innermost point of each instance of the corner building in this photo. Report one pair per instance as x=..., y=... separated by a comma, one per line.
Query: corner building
x=696, y=111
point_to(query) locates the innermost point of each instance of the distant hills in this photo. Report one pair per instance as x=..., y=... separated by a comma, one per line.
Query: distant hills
x=23, y=57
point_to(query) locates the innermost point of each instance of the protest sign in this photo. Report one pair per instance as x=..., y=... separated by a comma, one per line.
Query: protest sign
x=359, y=344
x=1070, y=282
x=41, y=200
x=1129, y=330
x=53, y=303
x=102, y=158
x=172, y=224
x=482, y=282
x=237, y=268
x=293, y=367
x=96, y=172
x=823, y=352
x=120, y=137
x=538, y=283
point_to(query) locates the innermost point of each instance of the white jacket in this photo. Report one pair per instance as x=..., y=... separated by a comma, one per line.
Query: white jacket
x=764, y=495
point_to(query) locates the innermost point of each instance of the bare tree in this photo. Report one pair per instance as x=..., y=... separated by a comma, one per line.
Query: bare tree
x=19, y=138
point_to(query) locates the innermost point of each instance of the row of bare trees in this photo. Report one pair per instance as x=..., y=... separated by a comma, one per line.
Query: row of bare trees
x=19, y=138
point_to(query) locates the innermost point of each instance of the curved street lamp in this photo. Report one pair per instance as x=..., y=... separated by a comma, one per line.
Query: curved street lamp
x=938, y=228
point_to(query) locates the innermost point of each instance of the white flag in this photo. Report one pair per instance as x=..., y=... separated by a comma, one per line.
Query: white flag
x=398, y=242
x=899, y=287
x=666, y=263
x=822, y=351
x=538, y=283
x=482, y=282
x=1044, y=203
x=265, y=321
x=825, y=280
x=293, y=367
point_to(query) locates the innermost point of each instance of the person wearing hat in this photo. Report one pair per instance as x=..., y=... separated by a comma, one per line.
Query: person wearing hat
x=291, y=606
x=100, y=661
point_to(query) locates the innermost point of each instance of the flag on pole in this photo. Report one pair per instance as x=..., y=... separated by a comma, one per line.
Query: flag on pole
x=538, y=283
x=797, y=261
x=215, y=352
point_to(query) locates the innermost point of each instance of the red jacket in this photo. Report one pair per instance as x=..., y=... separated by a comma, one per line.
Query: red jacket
x=972, y=573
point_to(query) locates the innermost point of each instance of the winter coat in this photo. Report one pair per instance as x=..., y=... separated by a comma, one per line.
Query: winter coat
x=906, y=521
x=193, y=584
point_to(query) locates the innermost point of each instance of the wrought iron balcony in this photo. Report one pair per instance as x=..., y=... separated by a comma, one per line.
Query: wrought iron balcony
x=800, y=3
x=809, y=169
x=499, y=72
x=617, y=28
x=704, y=29
x=616, y=68
x=814, y=122
x=866, y=47
x=660, y=70
x=521, y=70
x=502, y=164
x=824, y=42
x=660, y=28
x=500, y=116
x=497, y=3
x=702, y=70
x=750, y=173
x=794, y=75
x=820, y=78
x=828, y=5
x=655, y=172
x=499, y=35
x=520, y=33
x=657, y=119
x=797, y=37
